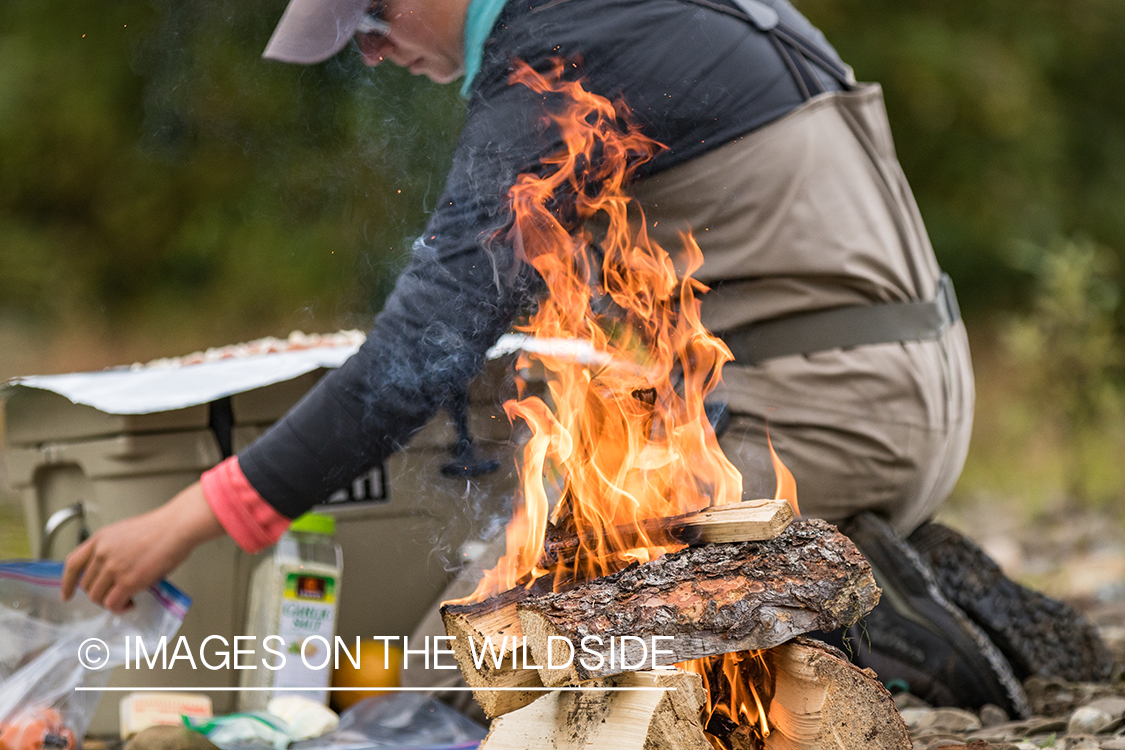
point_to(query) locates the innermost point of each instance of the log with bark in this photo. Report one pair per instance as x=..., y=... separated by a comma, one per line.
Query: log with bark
x=707, y=600
x=488, y=638
x=635, y=720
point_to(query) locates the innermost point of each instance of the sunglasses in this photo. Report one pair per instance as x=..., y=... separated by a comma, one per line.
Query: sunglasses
x=373, y=21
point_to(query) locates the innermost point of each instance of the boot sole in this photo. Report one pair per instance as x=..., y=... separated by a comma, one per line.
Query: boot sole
x=913, y=593
x=1040, y=636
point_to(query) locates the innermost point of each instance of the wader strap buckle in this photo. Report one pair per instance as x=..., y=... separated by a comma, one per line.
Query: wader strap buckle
x=845, y=327
x=761, y=15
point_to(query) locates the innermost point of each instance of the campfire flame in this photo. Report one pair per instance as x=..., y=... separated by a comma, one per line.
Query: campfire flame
x=732, y=683
x=786, y=484
x=628, y=438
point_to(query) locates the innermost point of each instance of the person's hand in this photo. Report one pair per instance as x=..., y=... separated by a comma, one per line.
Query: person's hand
x=125, y=557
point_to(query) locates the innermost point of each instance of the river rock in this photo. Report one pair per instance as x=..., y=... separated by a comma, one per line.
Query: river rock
x=1050, y=696
x=914, y=715
x=1088, y=720
x=1112, y=705
x=1043, y=725
x=946, y=742
x=992, y=716
x=998, y=733
x=950, y=719
x=930, y=736
x=909, y=700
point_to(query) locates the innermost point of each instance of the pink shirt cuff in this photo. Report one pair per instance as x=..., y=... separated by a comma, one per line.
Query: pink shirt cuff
x=247, y=517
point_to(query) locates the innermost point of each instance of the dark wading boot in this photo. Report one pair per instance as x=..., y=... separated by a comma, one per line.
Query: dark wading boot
x=1039, y=635
x=917, y=638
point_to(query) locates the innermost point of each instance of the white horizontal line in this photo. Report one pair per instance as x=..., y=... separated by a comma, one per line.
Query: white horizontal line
x=200, y=689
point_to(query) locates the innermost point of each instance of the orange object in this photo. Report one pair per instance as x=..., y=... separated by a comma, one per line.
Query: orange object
x=39, y=729
x=378, y=668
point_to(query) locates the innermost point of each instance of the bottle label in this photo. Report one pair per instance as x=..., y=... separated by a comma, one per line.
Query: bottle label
x=308, y=607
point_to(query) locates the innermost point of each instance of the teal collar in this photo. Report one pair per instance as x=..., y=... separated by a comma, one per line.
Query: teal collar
x=479, y=20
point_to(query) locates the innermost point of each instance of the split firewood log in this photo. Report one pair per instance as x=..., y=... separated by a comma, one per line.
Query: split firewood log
x=698, y=602
x=488, y=646
x=747, y=521
x=636, y=720
x=821, y=701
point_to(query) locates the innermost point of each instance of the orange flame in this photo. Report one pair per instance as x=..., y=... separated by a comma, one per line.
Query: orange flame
x=626, y=437
x=732, y=683
x=786, y=484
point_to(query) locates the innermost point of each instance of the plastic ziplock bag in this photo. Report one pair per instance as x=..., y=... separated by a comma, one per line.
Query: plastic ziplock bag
x=289, y=718
x=399, y=721
x=255, y=730
x=49, y=647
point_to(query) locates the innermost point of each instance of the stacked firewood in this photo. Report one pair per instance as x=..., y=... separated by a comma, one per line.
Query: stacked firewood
x=591, y=666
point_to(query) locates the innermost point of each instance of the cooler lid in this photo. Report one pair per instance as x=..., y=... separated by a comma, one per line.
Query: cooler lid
x=171, y=394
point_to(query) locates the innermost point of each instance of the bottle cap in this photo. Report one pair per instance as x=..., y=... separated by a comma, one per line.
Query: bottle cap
x=315, y=523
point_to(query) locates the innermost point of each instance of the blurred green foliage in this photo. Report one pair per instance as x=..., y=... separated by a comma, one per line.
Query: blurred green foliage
x=1069, y=347
x=154, y=166
x=157, y=172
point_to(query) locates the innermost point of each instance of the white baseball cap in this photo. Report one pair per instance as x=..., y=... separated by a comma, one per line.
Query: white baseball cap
x=311, y=31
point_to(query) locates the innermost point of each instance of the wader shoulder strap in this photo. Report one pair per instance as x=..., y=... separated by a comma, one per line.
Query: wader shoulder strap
x=845, y=327
x=796, y=50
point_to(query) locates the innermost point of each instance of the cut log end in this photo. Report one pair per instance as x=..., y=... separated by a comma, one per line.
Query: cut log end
x=822, y=701
x=486, y=646
x=641, y=720
x=817, y=700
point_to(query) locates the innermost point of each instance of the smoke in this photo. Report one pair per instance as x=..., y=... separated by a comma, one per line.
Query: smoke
x=312, y=181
